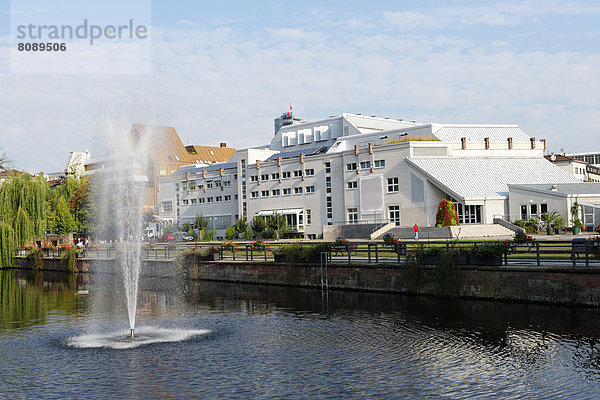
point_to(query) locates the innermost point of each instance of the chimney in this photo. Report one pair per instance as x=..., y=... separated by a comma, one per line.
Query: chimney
x=279, y=161
x=532, y=142
x=487, y=142
x=356, y=147
x=463, y=142
x=544, y=143
x=510, y=143
x=370, y=148
x=302, y=159
x=223, y=144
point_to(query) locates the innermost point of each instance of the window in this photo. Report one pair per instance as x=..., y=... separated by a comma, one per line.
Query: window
x=226, y=183
x=217, y=183
x=209, y=199
x=209, y=184
x=184, y=186
x=200, y=185
x=287, y=191
x=308, y=217
x=309, y=172
x=201, y=200
x=544, y=208
x=533, y=209
x=379, y=163
x=392, y=185
x=254, y=178
x=193, y=201
x=310, y=189
x=352, y=185
x=352, y=215
x=254, y=194
x=286, y=175
x=298, y=190
x=327, y=167
x=236, y=197
x=416, y=189
x=264, y=193
x=275, y=192
x=523, y=211
x=297, y=173
x=275, y=176
x=185, y=202
x=264, y=177
x=167, y=206
x=469, y=214
x=351, y=167
x=394, y=214
x=365, y=165
x=162, y=172
x=218, y=199
x=192, y=185
x=227, y=197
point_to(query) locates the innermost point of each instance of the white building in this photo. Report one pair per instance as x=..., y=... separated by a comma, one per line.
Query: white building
x=356, y=169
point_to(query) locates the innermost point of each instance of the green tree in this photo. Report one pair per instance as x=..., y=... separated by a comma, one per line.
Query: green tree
x=258, y=225
x=230, y=233
x=64, y=220
x=278, y=224
x=241, y=226
x=80, y=206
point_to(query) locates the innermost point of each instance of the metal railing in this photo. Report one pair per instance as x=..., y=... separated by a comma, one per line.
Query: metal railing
x=576, y=252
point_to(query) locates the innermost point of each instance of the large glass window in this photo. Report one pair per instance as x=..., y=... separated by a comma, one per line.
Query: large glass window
x=352, y=215
x=469, y=214
x=392, y=185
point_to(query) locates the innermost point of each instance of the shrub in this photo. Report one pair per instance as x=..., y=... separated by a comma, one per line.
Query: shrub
x=69, y=259
x=230, y=233
x=522, y=237
x=313, y=253
x=490, y=249
x=446, y=214
x=35, y=256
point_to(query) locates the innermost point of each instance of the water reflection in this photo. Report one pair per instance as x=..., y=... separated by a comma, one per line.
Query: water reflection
x=273, y=342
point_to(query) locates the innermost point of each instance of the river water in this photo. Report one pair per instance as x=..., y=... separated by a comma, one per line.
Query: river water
x=217, y=340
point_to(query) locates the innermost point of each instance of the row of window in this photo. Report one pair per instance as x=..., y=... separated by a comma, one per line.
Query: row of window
x=284, y=175
x=284, y=191
x=199, y=185
x=202, y=200
x=365, y=165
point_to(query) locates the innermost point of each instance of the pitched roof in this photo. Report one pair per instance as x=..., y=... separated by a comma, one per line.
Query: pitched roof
x=560, y=157
x=164, y=143
x=208, y=154
x=479, y=178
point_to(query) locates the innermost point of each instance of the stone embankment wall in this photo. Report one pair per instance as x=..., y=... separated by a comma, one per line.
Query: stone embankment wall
x=551, y=284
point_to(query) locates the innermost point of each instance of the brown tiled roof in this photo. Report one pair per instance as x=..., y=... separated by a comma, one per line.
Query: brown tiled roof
x=164, y=145
x=560, y=157
x=208, y=154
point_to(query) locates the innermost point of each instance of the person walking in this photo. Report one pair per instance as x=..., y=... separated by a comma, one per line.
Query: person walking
x=416, y=230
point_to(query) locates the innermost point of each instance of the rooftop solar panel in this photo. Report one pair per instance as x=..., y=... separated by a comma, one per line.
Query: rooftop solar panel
x=296, y=153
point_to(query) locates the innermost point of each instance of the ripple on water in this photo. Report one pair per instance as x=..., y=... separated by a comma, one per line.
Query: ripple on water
x=143, y=336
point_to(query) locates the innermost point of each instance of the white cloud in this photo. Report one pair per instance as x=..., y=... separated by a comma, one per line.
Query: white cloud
x=219, y=84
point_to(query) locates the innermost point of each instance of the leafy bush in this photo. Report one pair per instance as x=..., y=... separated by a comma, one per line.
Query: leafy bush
x=230, y=233
x=446, y=214
x=490, y=249
x=69, y=260
x=35, y=256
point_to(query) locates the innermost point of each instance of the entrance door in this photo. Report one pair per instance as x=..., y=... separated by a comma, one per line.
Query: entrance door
x=394, y=214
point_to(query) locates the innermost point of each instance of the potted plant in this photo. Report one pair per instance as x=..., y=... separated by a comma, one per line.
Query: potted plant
x=559, y=224
x=577, y=224
x=488, y=253
x=522, y=239
x=431, y=255
x=548, y=219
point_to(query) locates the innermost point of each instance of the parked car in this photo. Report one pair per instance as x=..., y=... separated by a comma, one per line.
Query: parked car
x=182, y=237
x=166, y=238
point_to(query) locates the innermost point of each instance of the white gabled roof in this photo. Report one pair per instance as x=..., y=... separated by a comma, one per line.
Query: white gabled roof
x=479, y=178
x=477, y=133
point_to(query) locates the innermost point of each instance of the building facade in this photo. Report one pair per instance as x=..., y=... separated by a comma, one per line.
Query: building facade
x=356, y=169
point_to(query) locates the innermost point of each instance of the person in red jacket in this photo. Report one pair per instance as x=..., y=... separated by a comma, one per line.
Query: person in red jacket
x=416, y=230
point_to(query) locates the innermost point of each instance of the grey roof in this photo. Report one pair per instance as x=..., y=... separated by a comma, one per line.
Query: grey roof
x=477, y=133
x=479, y=178
x=296, y=153
x=208, y=168
x=581, y=188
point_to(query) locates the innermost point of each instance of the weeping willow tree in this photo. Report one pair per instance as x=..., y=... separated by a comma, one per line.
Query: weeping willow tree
x=22, y=213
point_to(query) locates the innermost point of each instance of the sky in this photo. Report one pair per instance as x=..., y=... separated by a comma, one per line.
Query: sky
x=221, y=71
